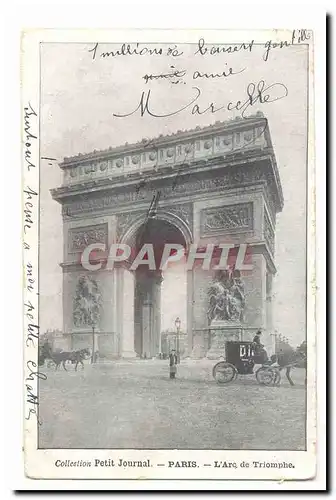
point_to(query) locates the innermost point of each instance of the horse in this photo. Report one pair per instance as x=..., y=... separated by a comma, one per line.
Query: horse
x=288, y=360
x=75, y=357
x=44, y=353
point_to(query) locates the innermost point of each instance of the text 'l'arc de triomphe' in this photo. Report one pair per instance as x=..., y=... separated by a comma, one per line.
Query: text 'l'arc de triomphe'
x=218, y=184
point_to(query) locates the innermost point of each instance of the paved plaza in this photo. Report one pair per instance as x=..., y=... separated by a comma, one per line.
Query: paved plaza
x=134, y=404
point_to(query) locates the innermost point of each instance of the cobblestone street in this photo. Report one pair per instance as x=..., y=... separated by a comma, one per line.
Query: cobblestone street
x=135, y=405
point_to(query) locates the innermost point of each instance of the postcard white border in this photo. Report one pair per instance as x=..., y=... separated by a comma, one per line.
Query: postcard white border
x=311, y=260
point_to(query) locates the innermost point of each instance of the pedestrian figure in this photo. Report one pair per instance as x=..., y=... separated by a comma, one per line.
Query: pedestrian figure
x=172, y=364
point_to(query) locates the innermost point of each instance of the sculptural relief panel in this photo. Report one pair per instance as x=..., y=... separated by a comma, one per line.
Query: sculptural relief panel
x=80, y=238
x=86, y=303
x=226, y=297
x=227, y=219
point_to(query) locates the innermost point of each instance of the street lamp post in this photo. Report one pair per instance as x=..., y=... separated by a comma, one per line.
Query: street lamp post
x=178, y=326
x=93, y=345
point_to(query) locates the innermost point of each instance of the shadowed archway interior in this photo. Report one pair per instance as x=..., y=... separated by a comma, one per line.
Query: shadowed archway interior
x=147, y=296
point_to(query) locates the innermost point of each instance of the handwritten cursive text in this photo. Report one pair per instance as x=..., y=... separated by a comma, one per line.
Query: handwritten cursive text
x=29, y=113
x=256, y=94
x=28, y=209
x=31, y=392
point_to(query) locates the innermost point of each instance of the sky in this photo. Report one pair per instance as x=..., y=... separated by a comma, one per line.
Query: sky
x=79, y=98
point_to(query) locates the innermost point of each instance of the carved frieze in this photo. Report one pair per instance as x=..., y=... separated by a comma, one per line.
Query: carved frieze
x=235, y=177
x=79, y=238
x=227, y=219
x=268, y=233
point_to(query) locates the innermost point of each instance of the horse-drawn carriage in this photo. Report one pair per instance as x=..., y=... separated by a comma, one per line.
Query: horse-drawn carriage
x=53, y=359
x=240, y=359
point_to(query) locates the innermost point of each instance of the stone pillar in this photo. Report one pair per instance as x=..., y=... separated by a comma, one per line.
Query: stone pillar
x=146, y=327
x=256, y=300
x=148, y=313
x=125, y=321
x=137, y=318
x=119, y=309
x=255, y=312
x=128, y=316
x=143, y=316
x=200, y=282
x=156, y=314
x=269, y=334
x=269, y=298
x=190, y=311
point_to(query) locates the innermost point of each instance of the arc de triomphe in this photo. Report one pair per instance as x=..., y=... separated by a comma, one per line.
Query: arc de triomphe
x=218, y=184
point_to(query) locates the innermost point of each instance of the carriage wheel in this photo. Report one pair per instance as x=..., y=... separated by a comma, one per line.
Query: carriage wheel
x=268, y=376
x=51, y=364
x=224, y=372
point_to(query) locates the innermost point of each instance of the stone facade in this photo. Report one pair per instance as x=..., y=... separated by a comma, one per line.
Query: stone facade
x=219, y=184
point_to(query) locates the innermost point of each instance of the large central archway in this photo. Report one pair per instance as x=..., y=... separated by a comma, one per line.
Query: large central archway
x=147, y=283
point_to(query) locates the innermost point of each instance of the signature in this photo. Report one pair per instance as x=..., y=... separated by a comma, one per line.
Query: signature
x=256, y=94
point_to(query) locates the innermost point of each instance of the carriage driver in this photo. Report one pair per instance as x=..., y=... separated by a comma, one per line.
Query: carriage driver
x=260, y=352
x=256, y=340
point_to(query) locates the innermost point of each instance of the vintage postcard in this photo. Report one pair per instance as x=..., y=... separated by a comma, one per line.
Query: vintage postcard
x=168, y=246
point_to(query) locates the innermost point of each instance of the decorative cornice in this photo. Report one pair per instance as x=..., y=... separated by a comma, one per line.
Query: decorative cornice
x=197, y=153
x=223, y=142
x=205, y=167
x=236, y=123
x=136, y=177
